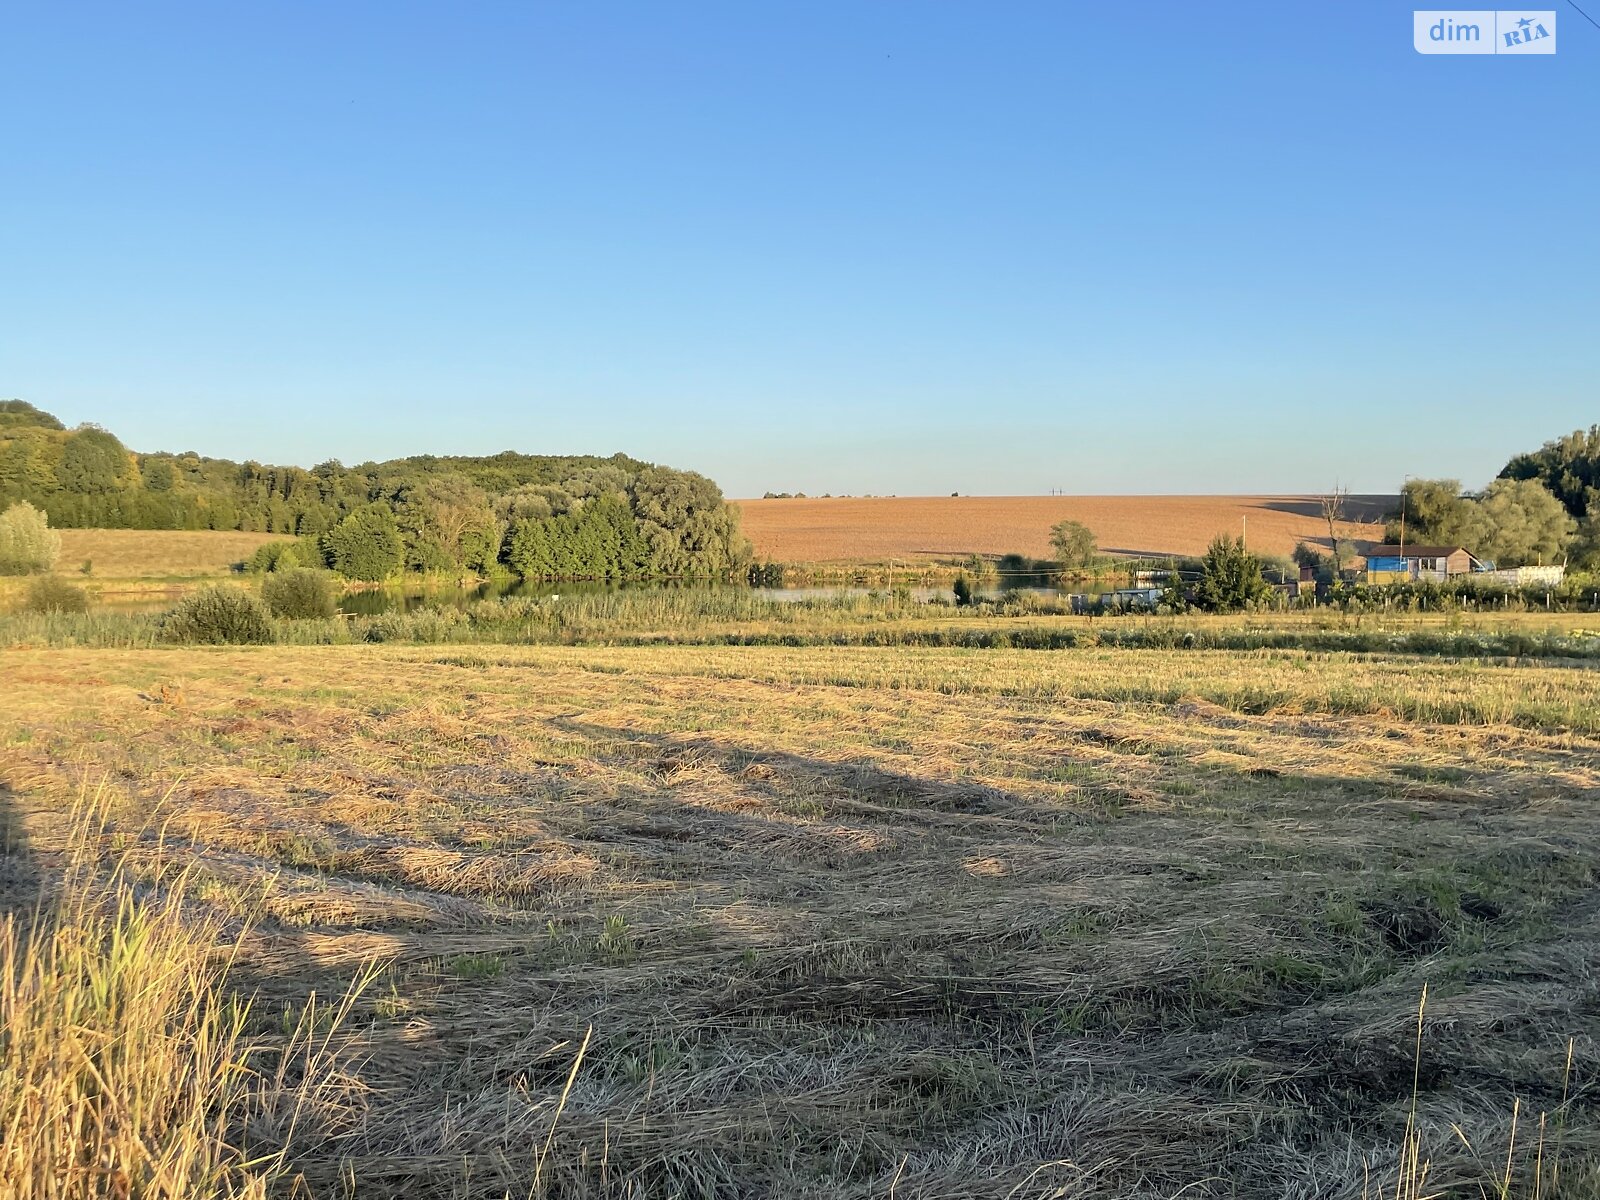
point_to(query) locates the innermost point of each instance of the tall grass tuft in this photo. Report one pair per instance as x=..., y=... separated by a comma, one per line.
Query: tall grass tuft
x=1533, y=1175
x=121, y=1057
x=126, y=1068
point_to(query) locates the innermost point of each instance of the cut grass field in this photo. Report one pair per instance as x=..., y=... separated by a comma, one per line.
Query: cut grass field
x=126, y=554
x=863, y=921
x=848, y=529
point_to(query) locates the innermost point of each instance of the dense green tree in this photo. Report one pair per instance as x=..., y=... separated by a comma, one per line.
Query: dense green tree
x=572, y=515
x=691, y=531
x=528, y=551
x=93, y=462
x=1584, y=549
x=1174, y=595
x=1514, y=522
x=447, y=520
x=1230, y=577
x=426, y=555
x=27, y=543
x=480, y=545
x=1568, y=466
x=18, y=414
x=531, y=502
x=27, y=467
x=159, y=474
x=1074, y=545
x=274, y=556
x=1431, y=512
x=310, y=550
x=366, y=545
x=1517, y=522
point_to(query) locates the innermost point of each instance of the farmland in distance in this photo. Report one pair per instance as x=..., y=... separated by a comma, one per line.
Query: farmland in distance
x=874, y=529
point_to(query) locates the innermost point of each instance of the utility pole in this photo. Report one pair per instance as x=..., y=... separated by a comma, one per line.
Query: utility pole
x=1404, y=479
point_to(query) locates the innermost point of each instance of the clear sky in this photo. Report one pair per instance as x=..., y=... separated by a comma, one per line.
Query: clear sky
x=856, y=247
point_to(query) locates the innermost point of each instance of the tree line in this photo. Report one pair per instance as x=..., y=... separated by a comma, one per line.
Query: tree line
x=1544, y=508
x=542, y=516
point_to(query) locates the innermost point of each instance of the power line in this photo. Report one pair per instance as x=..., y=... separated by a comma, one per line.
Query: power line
x=1585, y=15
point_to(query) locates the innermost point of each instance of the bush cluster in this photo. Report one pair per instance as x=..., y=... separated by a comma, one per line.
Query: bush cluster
x=299, y=594
x=52, y=594
x=218, y=616
x=273, y=556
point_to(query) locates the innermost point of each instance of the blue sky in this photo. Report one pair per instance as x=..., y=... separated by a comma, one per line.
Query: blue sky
x=862, y=247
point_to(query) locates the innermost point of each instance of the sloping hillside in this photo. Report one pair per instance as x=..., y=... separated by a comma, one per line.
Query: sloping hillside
x=871, y=530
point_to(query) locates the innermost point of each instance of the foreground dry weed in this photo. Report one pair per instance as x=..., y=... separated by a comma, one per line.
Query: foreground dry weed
x=127, y=1068
x=122, y=1054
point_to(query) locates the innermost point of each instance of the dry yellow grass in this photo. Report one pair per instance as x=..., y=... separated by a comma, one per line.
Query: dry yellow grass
x=127, y=1068
x=863, y=530
x=855, y=922
x=156, y=553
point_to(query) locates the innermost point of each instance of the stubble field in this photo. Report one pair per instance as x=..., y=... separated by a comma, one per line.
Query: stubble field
x=858, y=921
x=850, y=529
x=157, y=553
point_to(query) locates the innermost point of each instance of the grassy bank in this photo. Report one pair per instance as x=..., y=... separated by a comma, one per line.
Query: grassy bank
x=736, y=616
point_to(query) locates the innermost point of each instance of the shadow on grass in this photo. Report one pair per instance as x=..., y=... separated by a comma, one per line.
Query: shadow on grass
x=917, y=1015
x=20, y=877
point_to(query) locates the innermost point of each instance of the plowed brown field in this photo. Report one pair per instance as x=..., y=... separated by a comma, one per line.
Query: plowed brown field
x=871, y=530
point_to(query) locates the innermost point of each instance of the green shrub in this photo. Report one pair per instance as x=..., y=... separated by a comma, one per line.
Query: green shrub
x=1230, y=577
x=273, y=556
x=366, y=545
x=27, y=543
x=218, y=616
x=52, y=594
x=308, y=549
x=300, y=594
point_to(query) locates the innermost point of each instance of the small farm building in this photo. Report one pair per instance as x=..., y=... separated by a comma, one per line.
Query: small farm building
x=1393, y=564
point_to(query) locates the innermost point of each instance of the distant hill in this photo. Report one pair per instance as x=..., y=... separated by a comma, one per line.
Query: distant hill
x=842, y=529
x=19, y=414
x=556, y=515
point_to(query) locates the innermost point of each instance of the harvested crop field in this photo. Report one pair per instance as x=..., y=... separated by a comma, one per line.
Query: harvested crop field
x=848, y=529
x=141, y=553
x=851, y=921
